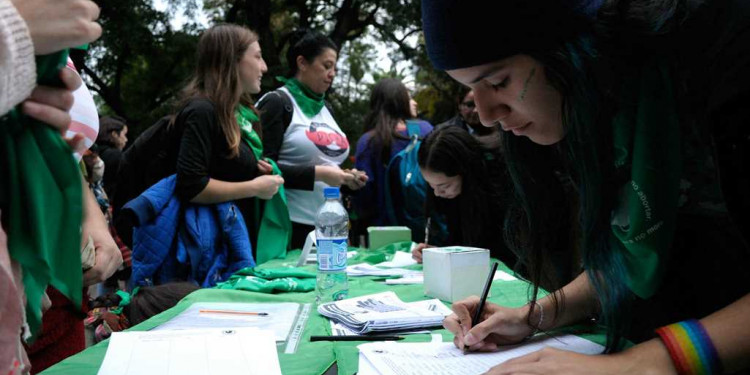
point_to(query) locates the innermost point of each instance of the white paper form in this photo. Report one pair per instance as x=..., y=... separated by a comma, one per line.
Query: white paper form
x=406, y=280
x=418, y=278
x=364, y=269
x=280, y=317
x=192, y=352
x=365, y=367
x=388, y=358
x=432, y=305
x=400, y=259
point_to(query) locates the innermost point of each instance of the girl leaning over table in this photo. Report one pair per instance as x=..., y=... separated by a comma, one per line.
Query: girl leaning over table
x=472, y=190
x=645, y=105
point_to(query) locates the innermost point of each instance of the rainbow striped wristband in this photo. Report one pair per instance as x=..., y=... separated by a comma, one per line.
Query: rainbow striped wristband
x=691, y=349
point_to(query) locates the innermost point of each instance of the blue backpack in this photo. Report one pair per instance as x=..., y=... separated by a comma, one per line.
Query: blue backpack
x=406, y=189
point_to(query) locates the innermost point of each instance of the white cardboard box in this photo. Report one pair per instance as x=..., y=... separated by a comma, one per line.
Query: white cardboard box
x=456, y=272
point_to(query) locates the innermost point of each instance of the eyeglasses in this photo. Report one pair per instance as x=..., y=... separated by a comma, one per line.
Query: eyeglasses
x=469, y=104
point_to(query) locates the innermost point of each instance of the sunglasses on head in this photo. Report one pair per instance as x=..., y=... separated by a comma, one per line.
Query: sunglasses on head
x=469, y=104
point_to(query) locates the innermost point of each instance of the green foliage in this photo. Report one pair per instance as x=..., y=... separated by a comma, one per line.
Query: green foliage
x=140, y=64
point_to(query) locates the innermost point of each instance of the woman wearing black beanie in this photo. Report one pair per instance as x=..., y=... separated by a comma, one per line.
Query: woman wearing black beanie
x=644, y=103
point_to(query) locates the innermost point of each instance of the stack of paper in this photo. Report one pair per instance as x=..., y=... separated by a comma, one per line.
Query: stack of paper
x=192, y=352
x=339, y=329
x=418, y=278
x=386, y=358
x=384, y=312
x=364, y=269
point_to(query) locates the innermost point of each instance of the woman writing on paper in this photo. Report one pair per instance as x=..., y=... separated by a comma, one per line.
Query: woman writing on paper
x=643, y=103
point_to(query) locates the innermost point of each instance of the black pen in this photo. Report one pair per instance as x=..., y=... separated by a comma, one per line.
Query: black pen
x=355, y=338
x=427, y=231
x=485, y=292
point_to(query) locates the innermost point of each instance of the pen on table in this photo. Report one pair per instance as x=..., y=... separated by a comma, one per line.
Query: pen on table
x=355, y=338
x=485, y=292
x=233, y=312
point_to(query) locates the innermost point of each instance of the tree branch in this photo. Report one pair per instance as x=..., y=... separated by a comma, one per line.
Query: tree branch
x=100, y=85
x=101, y=88
x=408, y=51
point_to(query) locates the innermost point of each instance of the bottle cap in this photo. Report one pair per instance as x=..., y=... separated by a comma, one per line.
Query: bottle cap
x=331, y=193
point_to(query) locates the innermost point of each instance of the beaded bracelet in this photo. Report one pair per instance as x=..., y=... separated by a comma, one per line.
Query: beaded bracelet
x=541, y=315
x=541, y=319
x=691, y=349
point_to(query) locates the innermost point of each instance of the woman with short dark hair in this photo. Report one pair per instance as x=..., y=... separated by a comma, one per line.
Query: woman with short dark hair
x=301, y=134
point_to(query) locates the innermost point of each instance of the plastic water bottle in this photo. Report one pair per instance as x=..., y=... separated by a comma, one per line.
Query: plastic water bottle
x=332, y=232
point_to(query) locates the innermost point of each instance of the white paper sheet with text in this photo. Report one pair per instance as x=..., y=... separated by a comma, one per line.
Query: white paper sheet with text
x=280, y=317
x=419, y=278
x=246, y=351
x=390, y=358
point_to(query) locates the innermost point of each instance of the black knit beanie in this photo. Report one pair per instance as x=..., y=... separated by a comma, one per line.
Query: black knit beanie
x=464, y=33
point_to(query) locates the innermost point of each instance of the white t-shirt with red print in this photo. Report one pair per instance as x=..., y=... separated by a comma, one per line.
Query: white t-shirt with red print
x=84, y=115
x=311, y=141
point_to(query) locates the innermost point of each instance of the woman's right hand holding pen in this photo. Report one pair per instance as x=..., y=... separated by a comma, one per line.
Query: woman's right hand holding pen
x=503, y=326
x=497, y=326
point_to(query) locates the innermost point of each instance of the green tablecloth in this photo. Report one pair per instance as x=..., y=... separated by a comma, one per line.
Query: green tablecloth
x=312, y=358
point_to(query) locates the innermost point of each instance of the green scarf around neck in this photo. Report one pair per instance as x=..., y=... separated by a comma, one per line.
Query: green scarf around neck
x=308, y=101
x=647, y=141
x=41, y=193
x=275, y=229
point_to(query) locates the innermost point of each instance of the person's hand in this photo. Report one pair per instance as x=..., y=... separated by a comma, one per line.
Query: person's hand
x=108, y=256
x=58, y=24
x=333, y=175
x=359, y=180
x=646, y=358
x=416, y=252
x=498, y=325
x=50, y=105
x=264, y=167
x=266, y=186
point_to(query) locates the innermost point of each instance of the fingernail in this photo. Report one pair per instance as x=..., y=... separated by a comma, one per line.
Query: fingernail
x=469, y=340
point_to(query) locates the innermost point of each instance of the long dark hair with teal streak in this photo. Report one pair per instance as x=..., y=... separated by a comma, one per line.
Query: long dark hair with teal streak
x=586, y=153
x=586, y=74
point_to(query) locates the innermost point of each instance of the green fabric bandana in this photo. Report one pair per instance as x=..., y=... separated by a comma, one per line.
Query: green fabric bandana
x=275, y=230
x=647, y=139
x=271, y=280
x=40, y=184
x=309, y=101
x=125, y=299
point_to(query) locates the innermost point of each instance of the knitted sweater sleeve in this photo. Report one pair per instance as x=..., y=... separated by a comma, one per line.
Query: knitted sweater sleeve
x=17, y=65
